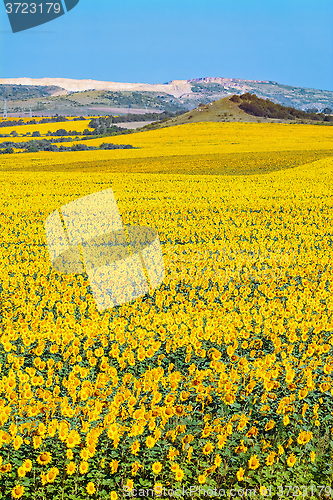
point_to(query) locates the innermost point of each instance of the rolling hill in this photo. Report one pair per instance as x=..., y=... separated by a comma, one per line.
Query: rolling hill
x=229, y=109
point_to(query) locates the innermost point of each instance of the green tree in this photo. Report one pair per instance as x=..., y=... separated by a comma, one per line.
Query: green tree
x=33, y=148
x=312, y=110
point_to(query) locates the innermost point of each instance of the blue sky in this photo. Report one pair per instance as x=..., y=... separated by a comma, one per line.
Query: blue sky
x=287, y=41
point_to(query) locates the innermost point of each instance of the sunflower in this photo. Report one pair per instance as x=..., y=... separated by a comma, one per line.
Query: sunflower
x=156, y=467
x=179, y=474
x=286, y=420
x=222, y=439
x=114, y=466
x=252, y=432
x=291, y=460
x=135, y=447
x=131, y=401
x=174, y=466
x=206, y=432
x=21, y=472
x=269, y=425
x=208, y=448
x=84, y=454
x=202, y=479
x=84, y=466
x=44, y=458
x=90, y=488
x=27, y=464
x=179, y=410
x=71, y=468
x=52, y=474
x=158, y=488
x=54, y=349
x=169, y=400
x=17, y=442
x=254, y=462
x=242, y=422
x=129, y=484
x=240, y=474
x=304, y=437
x=5, y=468
x=73, y=439
x=173, y=452
x=270, y=459
x=169, y=412
x=92, y=361
x=135, y=467
x=150, y=442
x=37, y=441
x=17, y=491
x=241, y=448
x=141, y=354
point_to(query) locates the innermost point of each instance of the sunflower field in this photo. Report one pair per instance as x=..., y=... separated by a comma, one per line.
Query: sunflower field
x=220, y=378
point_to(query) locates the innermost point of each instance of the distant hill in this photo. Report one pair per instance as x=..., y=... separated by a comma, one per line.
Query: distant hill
x=171, y=96
x=298, y=97
x=16, y=92
x=244, y=108
x=88, y=102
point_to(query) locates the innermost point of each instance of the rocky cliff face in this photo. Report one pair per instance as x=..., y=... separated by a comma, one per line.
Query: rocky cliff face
x=190, y=93
x=226, y=81
x=175, y=88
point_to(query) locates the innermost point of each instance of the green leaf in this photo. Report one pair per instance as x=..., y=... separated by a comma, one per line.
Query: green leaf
x=144, y=482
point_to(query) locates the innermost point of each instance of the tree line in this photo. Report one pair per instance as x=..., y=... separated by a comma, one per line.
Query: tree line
x=103, y=123
x=265, y=108
x=51, y=119
x=45, y=145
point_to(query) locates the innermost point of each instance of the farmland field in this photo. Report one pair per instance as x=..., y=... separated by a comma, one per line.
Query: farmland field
x=222, y=377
